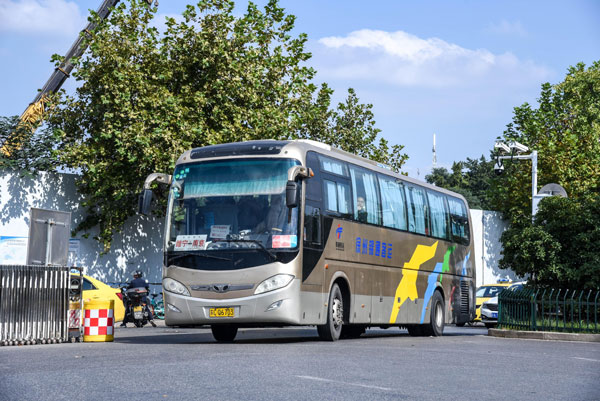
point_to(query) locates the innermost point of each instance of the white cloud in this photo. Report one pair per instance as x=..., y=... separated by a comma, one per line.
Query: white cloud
x=505, y=27
x=403, y=59
x=55, y=17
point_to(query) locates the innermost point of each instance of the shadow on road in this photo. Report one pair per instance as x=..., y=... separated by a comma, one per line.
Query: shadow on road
x=263, y=336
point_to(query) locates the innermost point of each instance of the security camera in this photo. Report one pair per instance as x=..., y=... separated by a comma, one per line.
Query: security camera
x=502, y=147
x=498, y=167
x=518, y=147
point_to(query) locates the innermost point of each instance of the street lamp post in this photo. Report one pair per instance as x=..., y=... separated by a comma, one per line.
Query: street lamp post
x=516, y=147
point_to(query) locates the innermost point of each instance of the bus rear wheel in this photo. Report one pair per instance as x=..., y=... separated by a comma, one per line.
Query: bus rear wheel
x=224, y=333
x=332, y=329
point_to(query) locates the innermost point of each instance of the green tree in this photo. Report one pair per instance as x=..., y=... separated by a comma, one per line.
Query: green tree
x=560, y=247
x=28, y=157
x=565, y=130
x=145, y=97
x=470, y=178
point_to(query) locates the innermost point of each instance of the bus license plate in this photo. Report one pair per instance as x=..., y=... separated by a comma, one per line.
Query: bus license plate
x=221, y=312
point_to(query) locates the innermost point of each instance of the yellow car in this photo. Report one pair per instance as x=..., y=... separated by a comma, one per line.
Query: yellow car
x=485, y=293
x=96, y=290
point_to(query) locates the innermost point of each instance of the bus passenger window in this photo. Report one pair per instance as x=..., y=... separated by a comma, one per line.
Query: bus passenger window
x=417, y=210
x=438, y=214
x=459, y=221
x=337, y=197
x=392, y=203
x=333, y=166
x=366, y=196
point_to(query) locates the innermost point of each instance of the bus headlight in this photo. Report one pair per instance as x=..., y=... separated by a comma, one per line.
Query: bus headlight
x=274, y=283
x=175, y=287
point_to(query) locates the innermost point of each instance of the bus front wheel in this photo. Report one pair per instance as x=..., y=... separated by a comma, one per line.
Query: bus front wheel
x=332, y=329
x=224, y=333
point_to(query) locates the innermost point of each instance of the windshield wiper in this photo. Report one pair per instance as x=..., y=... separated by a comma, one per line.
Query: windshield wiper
x=201, y=255
x=252, y=241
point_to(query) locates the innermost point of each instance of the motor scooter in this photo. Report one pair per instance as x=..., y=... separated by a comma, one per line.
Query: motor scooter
x=136, y=309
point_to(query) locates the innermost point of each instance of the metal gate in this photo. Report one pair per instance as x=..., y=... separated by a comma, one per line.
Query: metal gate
x=34, y=304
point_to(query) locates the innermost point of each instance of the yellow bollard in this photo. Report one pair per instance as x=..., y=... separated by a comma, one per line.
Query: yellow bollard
x=98, y=322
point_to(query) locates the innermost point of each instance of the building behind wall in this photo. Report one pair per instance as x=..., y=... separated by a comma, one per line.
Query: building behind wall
x=139, y=245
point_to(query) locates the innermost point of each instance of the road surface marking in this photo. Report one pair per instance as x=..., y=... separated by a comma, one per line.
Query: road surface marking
x=345, y=383
x=586, y=359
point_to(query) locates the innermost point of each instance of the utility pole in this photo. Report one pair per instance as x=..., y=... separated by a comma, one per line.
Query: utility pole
x=516, y=147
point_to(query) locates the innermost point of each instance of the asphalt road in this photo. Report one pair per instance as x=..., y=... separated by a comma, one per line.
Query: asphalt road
x=293, y=364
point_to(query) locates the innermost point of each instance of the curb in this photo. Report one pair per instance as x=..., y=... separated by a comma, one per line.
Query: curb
x=544, y=335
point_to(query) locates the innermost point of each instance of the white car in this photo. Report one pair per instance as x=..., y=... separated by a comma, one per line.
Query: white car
x=489, y=309
x=489, y=312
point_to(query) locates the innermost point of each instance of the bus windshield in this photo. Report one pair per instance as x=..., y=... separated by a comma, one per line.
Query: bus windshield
x=231, y=205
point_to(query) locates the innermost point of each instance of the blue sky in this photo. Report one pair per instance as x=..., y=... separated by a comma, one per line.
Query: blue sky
x=453, y=68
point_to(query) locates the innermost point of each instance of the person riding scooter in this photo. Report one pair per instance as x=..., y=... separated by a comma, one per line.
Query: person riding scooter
x=137, y=282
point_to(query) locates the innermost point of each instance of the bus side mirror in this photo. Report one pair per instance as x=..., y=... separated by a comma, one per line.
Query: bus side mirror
x=291, y=194
x=144, y=202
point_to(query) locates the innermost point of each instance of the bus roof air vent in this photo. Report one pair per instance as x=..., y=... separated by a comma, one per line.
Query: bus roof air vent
x=265, y=147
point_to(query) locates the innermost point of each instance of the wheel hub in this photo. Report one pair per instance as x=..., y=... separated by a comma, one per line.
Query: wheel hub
x=338, y=312
x=438, y=315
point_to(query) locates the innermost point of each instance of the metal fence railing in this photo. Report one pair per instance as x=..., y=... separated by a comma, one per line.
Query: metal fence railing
x=549, y=309
x=34, y=304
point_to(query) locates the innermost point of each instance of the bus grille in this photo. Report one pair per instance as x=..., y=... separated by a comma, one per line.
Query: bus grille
x=464, y=297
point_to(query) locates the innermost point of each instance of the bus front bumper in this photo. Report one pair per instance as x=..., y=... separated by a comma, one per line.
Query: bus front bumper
x=275, y=307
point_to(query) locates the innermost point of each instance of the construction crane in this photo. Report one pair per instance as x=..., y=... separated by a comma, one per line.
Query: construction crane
x=34, y=112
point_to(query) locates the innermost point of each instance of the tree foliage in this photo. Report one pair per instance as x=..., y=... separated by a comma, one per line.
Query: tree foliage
x=144, y=97
x=27, y=157
x=560, y=247
x=565, y=130
x=470, y=178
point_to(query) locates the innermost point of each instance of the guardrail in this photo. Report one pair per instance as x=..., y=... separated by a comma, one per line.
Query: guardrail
x=34, y=304
x=549, y=309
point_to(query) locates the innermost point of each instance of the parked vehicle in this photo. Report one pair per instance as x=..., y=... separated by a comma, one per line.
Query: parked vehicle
x=94, y=289
x=487, y=292
x=489, y=309
x=137, y=309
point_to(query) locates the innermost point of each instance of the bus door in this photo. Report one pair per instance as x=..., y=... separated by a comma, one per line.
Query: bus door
x=312, y=252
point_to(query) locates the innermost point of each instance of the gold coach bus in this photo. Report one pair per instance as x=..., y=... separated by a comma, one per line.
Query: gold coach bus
x=277, y=233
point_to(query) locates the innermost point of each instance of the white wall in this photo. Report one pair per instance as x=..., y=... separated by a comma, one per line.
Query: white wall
x=139, y=246
x=487, y=229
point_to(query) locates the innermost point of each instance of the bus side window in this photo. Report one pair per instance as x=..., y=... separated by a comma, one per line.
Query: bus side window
x=312, y=225
x=392, y=203
x=417, y=210
x=459, y=221
x=313, y=184
x=337, y=197
x=367, y=207
x=439, y=215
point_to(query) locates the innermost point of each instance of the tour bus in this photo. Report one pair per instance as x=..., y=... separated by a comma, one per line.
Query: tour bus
x=277, y=233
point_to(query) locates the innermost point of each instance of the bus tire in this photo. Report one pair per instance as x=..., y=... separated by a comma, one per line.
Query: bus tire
x=435, y=327
x=332, y=329
x=224, y=333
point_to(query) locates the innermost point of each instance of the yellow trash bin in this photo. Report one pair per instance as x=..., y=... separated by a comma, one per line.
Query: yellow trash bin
x=98, y=322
